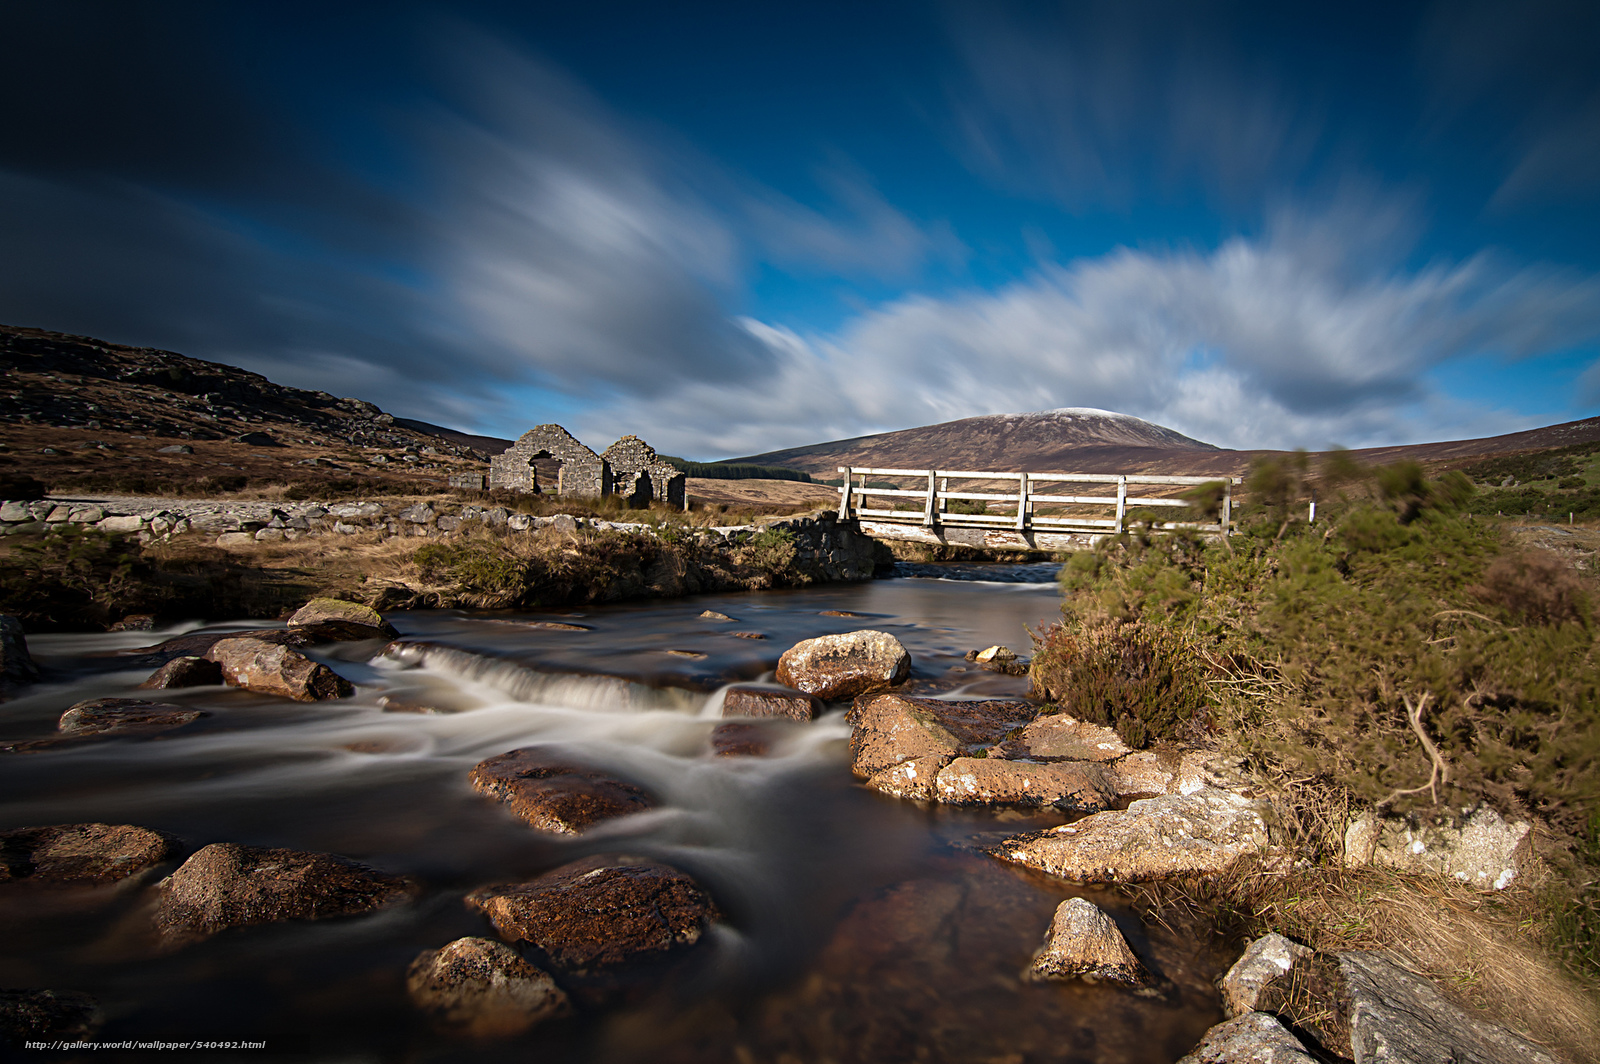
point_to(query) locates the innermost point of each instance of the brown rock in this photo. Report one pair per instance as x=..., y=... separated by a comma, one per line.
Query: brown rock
x=1142, y=774
x=600, y=913
x=479, y=988
x=834, y=667
x=713, y=615
x=1072, y=786
x=258, y=665
x=1056, y=736
x=81, y=853
x=33, y=1015
x=320, y=610
x=552, y=795
x=227, y=885
x=915, y=779
x=930, y=732
x=741, y=701
x=103, y=716
x=1084, y=943
x=732, y=739
x=184, y=671
x=748, y=635
x=1176, y=835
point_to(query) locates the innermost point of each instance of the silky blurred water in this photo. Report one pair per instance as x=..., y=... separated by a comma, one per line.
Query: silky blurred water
x=858, y=927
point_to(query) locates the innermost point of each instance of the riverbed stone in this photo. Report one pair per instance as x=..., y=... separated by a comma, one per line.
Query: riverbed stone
x=481, y=989
x=1204, y=833
x=228, y=885
x=835, y=667
x=1059, y=737
x=741, y=739
x=750, y=701
x=81, y=853
x=187, y=670
x=1479, y=847
x=600, y=913
x=1254, y=1038
x=46, y=1015
x=17, y=667
x=1071, y=786
x=320, y=611
x=271, y=668
x=1265, y=962
x=1084, y=943
x=924, y=735
x=554, y=795
x=105, y=716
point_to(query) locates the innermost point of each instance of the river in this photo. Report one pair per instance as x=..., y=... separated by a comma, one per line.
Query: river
x=858, y=928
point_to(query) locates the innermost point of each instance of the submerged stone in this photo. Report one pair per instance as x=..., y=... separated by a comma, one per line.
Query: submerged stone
x=107, y=716
x=554, y=795
x=478, y=988
x=81, y=853
x=743, y=701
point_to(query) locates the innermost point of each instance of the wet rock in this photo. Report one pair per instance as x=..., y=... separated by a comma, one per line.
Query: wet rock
x=228, y=885
x=185, y=671
x=1177, y=835
x=748, y=635
x=1254, y=1038
x=1084, y=943
x=553, y=795
x=1481, y=848
x=740, y=701
x=1263, y=964
x=135, y=622
x=713, y=615
x=392, y=704
x=1072, y=786
x=600, y=913
x=478, y=988
x=1397, y=1015
x=17, y=668
x=900, y=744
x=81, y=853
x=270, y=668
x=731, y=739
x=1058, y=737
x=321, y=610
x=30, y=1015
x=834, y=667
x=103, y=716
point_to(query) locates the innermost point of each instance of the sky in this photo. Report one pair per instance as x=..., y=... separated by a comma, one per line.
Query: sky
x=736, y=227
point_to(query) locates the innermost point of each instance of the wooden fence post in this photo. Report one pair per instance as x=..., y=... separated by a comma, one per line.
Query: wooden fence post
x=944, y=486
x=844, y=494
x=927, y=509
x=1226, y=528
x=1022, y=502
x=1122, y=501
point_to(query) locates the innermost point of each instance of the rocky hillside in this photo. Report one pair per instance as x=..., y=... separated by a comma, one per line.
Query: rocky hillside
x=76, y=409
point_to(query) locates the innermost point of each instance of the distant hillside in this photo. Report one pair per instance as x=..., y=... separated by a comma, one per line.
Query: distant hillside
x=1077, y=438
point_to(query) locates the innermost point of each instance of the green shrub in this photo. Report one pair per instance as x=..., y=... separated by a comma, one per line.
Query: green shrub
x=1140, y=679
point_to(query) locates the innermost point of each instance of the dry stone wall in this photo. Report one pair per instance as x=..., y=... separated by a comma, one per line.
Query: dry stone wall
x=583, y=473
x=639, y=474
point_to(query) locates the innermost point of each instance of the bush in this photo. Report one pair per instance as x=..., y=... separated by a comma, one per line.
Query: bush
x=1140, y=679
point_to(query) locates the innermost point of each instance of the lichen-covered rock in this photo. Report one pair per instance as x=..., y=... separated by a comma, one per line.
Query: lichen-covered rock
x=835, y=667
x=1143, y=774
x=319, y=610
x=1084, y=943
x=1254, y=1038
x=745, y=701
x=554, y=795
x=81, y=853
x=270, y=668
x=1072, y=786
x=228, y=885
x=107, y=716
x=478, y=988
x=600, y=913
x=1481, y=849
x=1058, y=737
x=1265, y=962
x=186, y=670
x=915, y=779
x=889, y=730
x=34, y=1015
x=17, y=668
x=1176, y=835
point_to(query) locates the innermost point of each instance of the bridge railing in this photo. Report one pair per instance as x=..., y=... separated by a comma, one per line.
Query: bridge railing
x=1030, y=506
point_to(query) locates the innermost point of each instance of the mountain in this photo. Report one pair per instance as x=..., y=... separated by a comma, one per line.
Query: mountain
x=1080, y=439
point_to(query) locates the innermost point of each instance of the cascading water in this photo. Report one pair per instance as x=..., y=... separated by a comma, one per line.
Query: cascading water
x=857, y=928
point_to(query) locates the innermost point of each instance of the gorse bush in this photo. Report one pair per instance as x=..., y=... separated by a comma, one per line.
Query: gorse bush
x=1140, y=679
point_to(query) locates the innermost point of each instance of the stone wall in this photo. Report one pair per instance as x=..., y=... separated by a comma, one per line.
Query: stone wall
x=640, y=475
x=583, y=473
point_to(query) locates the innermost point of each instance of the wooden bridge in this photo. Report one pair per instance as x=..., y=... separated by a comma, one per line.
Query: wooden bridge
x=1036, y=515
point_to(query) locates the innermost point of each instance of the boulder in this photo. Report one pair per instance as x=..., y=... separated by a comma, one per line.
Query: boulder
x=478, y=988
x=1072, y=786
x=319, y=611
x=1058, y=737
x=81, y=853
x=103, y=716
x=121, y=523
x=47, y=1015
x=553, y=795
x=228, y=885
x=17, y=668
x=734, y=739
x=1396, y=1015
x=742, y=701
x=418, y=514
x=1265, y=962
x=235, y=540
x=601, y=912
x=835, y=667
x=1481, y=848
x=1084, y=943
x=1143, y=774
x=900, y=744
x=1301, y=986
x=184, y=671
x=270, y=668
x=713, y=615
x=1203, y=833
x=1254, y=1038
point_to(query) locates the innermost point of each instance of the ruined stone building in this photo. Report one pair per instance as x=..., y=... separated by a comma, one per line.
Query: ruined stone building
x=630, y=467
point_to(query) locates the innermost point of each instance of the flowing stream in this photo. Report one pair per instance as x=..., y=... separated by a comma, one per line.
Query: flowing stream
x=857, y=927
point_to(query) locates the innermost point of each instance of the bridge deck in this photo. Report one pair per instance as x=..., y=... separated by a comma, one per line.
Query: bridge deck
x=1032, y=516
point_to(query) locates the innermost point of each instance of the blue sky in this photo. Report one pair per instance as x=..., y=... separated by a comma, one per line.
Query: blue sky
x=736, y=227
